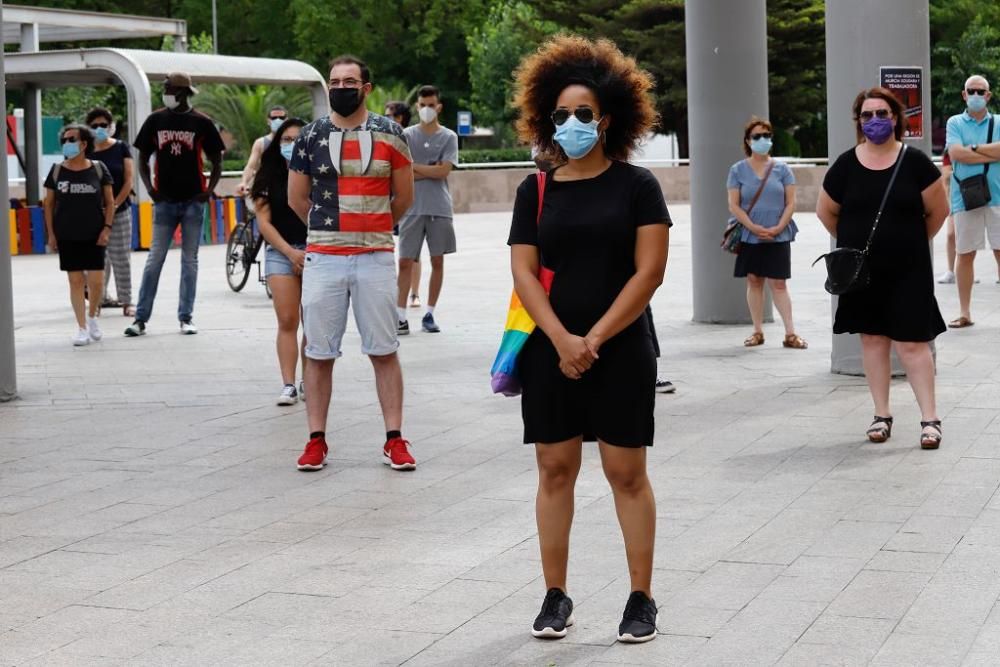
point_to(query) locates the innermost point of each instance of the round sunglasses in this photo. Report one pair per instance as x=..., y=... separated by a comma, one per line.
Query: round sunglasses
x=583, y=114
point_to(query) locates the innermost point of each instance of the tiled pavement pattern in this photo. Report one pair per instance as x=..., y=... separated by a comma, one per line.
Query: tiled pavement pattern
x=151, y=513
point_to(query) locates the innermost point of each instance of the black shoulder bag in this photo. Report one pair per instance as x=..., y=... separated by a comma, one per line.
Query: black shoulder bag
x=847, y=268
x=975, y=189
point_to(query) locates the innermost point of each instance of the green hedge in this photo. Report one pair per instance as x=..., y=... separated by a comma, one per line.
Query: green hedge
x=473, y=155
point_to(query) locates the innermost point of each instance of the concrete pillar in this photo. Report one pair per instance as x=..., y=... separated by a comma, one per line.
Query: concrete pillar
x=8, y=370
x=32, y=123
x=726, y=84
x=861, y=37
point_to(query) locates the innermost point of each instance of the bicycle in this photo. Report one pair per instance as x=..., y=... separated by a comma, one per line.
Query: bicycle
x=242, y=249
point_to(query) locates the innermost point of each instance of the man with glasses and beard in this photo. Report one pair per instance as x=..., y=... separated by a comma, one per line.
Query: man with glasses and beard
x=350, y=179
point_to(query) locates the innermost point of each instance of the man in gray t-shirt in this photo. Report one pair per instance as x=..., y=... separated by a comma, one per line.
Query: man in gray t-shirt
x=435, y=153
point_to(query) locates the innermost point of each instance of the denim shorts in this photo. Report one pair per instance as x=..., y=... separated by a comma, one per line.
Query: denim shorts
x=276, y=264
x=331, y=284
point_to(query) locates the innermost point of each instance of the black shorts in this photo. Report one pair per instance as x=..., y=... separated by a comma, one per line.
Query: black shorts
x=81, y=256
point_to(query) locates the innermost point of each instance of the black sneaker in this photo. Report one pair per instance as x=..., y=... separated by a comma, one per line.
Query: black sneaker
x=665, y=386
x=639, y=620
x=137, y=328
x=555, y=617
x=402, y=328
x=428, y=324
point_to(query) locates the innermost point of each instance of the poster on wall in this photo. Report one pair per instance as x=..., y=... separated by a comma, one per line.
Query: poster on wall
x=907, y=84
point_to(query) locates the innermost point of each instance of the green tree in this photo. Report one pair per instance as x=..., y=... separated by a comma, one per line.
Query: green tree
x=511, y=31
x=965, y=47
x=242, y=109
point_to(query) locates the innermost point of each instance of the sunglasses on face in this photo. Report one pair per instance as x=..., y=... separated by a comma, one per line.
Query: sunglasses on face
x=68, y=140
x=976, y=91
x=583, y=114
x=94, y=126
x=281, y=118
x=878, y=113
x=760, y=135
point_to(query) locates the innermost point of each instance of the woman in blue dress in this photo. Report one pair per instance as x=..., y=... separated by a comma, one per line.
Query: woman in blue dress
x=768, y=229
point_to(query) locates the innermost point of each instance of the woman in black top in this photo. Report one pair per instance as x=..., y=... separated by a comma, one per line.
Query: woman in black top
x=898, y=308
x=79, y=205
x=285, y=234
x=588, y=369
x=115, y=155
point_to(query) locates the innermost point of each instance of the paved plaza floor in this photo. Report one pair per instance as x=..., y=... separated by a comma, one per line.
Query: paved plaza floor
x=151, y=512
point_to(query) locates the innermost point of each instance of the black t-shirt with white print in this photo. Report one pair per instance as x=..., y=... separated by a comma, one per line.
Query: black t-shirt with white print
x=79, y=210
x=178, y=139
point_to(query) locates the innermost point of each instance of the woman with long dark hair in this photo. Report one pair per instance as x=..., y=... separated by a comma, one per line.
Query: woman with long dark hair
x=285, y=234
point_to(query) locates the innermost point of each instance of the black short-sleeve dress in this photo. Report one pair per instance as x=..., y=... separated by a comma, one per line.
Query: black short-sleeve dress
x=587, y=236
x=899, y=303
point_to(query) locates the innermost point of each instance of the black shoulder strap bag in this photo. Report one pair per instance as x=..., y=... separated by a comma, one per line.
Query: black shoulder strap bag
x=847, y=268
x=975, y=189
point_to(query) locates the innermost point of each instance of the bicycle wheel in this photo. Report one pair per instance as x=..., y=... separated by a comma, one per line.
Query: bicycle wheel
x=238, y=257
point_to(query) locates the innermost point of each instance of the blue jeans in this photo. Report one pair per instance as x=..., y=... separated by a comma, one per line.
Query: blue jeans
x=166, y=216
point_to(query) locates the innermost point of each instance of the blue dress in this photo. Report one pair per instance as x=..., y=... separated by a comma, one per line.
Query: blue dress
x=764, y=257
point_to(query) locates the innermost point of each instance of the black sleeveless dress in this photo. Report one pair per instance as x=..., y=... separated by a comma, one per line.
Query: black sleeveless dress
x=900, y=302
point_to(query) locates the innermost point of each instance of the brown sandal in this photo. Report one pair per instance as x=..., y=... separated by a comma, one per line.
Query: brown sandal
x=754, y=340
x=960, y=323
x=795, y=341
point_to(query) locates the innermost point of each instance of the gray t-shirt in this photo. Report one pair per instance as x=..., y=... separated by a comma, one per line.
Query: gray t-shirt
x=431, y=195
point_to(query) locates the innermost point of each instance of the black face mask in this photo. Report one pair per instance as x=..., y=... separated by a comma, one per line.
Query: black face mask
x=345, y=101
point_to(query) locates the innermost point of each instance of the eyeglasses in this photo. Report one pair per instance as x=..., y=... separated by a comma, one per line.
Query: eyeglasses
x=583, y=114
x=346, y=83
x=94, y=126
x=68, y=140
x=976, y=91
x=878, y=113
x=278, y=118
x=760, y=135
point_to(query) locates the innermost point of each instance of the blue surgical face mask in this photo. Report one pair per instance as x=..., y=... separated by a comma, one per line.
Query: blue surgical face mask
x=287, y=150
x=276, y=123
x=761, y=146
x=101, y=134
x=71, y=149
x=976, y=103
x=577, y=138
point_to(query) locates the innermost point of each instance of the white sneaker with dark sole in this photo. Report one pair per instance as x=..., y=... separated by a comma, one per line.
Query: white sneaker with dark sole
x=288, y=395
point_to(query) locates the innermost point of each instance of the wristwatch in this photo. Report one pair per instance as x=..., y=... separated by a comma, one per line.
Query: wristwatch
x=975, y=148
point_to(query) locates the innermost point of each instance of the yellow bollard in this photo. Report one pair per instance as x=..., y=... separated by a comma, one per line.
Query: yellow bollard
x=146, y=225
x=231, y=213
x=12, y=226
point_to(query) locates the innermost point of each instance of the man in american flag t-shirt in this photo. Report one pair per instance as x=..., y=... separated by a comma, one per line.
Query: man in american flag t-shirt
x=350, y=179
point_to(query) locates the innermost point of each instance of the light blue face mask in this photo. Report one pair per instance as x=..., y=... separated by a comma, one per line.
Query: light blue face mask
x=287, y=150
x=976, y=103
x=761, y=146
x=101, y=134
x=576, y=138
x=71, y=149
x=276, y=123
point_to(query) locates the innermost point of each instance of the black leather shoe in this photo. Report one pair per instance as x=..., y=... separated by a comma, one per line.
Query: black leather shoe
x=555, y=617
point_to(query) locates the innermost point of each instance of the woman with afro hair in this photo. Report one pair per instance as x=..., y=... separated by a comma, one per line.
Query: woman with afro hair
x=601, y=225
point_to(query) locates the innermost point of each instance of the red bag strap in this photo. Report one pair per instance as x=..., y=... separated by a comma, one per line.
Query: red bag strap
x=540, y=177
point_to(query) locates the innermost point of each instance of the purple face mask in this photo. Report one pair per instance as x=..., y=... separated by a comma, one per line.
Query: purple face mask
x=877, y=130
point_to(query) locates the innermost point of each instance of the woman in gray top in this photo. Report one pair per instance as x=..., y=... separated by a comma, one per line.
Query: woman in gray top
x=768, y=229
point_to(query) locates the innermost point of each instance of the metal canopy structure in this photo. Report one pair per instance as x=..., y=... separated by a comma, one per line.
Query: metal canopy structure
x=135, y=69
x=60, y=25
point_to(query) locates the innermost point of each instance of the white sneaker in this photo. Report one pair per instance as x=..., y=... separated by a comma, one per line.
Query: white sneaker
x=288, y=395
x=188, y=328
x=946, y=278
x=94, y=329
x=81, y=338
x=302, y=391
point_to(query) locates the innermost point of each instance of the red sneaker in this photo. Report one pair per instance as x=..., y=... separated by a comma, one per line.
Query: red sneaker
x=396, y=454
x=314, y=457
